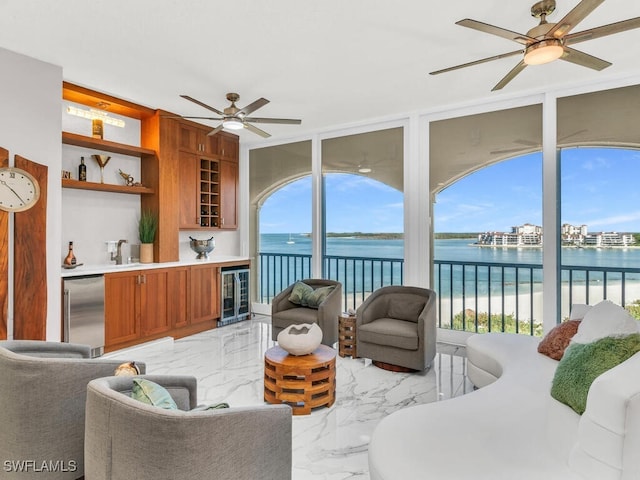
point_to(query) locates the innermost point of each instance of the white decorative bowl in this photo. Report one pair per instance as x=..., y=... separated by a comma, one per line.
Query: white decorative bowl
x=300, y=339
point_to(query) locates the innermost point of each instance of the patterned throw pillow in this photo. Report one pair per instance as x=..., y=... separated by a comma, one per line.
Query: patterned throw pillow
x=151, y=393
x=299, y=293
x=583, y=363
x=557, y=340
x=317, y=296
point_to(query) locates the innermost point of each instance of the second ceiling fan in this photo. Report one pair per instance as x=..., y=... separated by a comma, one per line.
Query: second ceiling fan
x=547, y=42
x=234, y=118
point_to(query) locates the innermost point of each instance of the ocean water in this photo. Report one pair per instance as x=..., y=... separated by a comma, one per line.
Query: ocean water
x=449, y=280
x=450, y=249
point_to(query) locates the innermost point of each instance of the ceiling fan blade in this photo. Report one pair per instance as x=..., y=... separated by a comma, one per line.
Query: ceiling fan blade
x=574, y=17
x=602, y=31
x=288, y=121
x=252, y=107
x=510, y=76
x=256, y=130
x=197, y=118
x=198, y=102
x=477, y=62
x=580, y=58
x=215, y=130
x=499, y=31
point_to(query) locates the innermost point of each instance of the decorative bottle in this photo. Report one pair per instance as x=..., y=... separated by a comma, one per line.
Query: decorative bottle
x=82, y=171
x=70, y=259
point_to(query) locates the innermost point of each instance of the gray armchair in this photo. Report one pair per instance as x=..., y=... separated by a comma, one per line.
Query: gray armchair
x=43, y=390
x=396, y=326
x=285, y=313
x=127, y=439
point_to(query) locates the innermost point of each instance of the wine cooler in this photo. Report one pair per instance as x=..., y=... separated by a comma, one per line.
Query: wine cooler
x=235, y=295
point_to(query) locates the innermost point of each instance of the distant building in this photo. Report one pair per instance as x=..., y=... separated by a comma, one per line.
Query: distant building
x=609, y=239
x=531, y=235
x=523, y=235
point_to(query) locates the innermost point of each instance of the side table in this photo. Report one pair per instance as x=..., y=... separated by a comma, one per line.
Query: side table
x=303, y=382
x=347, y=335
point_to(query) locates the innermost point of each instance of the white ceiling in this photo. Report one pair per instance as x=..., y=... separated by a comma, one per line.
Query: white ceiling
x=330, y=62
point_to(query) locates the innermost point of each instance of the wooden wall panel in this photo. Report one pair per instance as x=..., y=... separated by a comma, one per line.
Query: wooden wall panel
x=30, y=262
x=4, y=258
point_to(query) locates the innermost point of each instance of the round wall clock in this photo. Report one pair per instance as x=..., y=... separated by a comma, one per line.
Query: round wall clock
x=19, y=190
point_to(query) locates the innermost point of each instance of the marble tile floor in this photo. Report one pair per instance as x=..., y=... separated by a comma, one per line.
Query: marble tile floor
x=331, y=443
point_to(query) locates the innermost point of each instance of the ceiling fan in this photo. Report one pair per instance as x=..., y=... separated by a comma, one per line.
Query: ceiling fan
x=547, y=42
x=234, y=118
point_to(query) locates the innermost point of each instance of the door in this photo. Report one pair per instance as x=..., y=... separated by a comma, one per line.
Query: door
x=188, y=186
x=154, y=302
x=228, y=194
x=205, y=304
x=122, y=307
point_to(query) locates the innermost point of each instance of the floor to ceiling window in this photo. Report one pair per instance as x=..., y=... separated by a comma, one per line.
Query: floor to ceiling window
x=280, y=216
x=363, y=211
x=486, y=182
x=600, y=217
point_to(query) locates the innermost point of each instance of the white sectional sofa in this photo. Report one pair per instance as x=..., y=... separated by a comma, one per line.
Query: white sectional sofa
x=511, y=428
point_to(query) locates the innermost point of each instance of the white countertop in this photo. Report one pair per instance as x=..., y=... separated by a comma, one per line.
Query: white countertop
x=112, y=268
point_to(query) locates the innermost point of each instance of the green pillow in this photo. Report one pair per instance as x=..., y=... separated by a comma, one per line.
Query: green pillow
x=582, y=363
x=317, y=296
x=213, y=406
x=151, y=393
x=299, y=293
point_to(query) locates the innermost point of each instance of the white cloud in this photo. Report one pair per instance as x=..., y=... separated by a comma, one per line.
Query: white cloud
x=613, y=220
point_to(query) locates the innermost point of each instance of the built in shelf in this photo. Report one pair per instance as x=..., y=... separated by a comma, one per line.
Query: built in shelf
x=104, y=145
x=105, y=187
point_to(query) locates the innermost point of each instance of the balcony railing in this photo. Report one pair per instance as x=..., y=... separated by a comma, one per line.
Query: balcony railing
x=489, y=297
x=359, y=275
x=472, y=296
x=362, y=275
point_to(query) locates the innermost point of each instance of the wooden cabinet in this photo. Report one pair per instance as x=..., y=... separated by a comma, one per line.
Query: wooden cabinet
x=178, y=288
x=199, y=192
x=228, y=194
x=122, y=308
x=228, y=146
x=205, y=293
x=208, y=179
x=144, y=304
x=188, y=185
x=196, y=139
x=154, y=302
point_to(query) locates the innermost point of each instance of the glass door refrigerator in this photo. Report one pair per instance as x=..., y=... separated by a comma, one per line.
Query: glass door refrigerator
x=235, y=295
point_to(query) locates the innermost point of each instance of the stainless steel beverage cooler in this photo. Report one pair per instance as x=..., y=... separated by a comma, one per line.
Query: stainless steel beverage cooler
x=235, y=295
x=84, y=312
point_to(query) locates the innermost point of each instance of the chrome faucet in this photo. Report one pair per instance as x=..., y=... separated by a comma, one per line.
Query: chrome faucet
x=118, y=256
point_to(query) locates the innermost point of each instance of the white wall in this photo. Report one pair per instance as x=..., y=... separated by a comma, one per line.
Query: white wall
x=30, y=92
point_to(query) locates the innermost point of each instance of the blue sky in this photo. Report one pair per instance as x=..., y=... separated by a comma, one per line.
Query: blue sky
x=599, y=189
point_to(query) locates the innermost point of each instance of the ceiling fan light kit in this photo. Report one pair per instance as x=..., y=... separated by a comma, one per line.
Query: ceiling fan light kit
x=544, y=51
x=547, y=42
x=232, y=124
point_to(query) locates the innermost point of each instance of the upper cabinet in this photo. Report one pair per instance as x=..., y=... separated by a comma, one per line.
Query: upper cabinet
x=228, y=194
x=196, y=139
x=208, y=178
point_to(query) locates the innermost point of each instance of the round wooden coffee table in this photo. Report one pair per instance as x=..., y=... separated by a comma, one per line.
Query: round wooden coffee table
x=304, y=382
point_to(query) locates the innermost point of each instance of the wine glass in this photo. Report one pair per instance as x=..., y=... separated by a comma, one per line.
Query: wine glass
x=102, y=161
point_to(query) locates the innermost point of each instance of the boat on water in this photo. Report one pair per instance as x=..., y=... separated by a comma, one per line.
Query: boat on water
x=290, y=241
